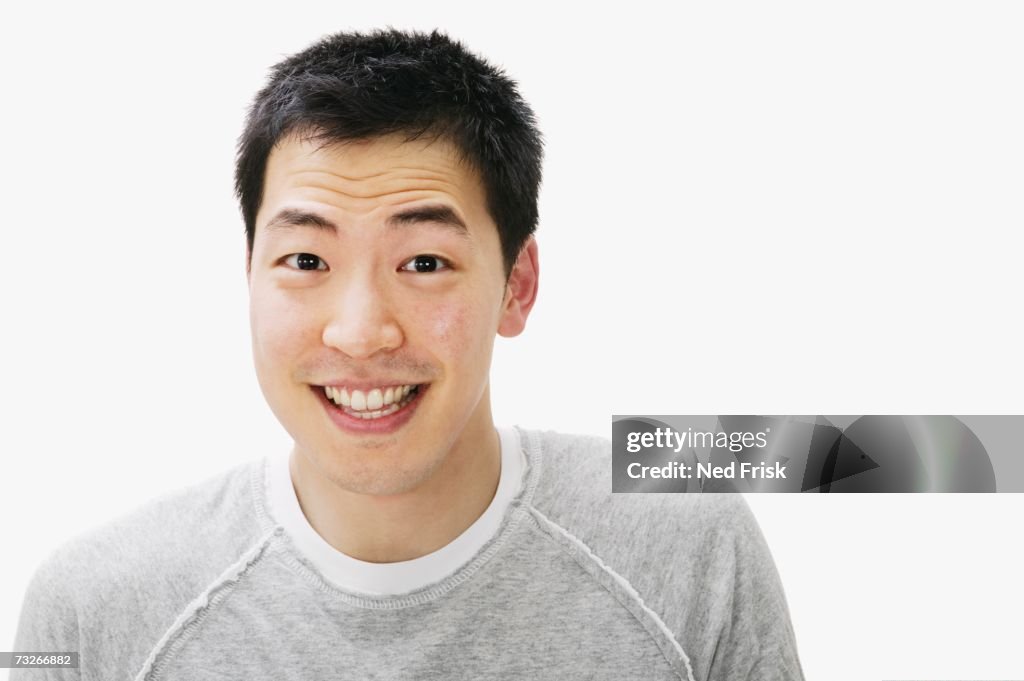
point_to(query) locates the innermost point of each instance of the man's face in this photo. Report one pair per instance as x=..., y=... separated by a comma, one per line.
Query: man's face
x=376, y=289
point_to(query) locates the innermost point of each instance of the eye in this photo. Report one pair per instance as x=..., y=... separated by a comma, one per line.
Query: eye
x=305, y=261
x=426, y=263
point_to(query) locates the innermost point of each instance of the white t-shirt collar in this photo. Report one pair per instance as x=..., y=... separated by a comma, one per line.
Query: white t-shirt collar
x=394, y=578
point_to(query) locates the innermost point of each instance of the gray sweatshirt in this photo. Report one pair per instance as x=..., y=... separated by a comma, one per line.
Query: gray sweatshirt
x=573, y=583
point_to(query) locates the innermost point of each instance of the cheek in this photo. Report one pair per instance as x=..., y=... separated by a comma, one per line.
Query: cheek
x=450, y=328
x=458, y=330
x=277, y=329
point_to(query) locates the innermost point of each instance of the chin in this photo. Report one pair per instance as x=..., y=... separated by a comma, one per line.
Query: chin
x=378, y=472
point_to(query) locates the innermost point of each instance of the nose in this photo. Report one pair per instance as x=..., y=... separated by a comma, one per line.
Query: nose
x=362, y=321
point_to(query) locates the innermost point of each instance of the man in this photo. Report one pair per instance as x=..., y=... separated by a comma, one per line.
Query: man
x=389, y=184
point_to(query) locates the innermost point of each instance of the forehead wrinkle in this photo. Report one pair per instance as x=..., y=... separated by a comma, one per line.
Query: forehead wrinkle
x=402, y=171
x=426, y=170
x=328, y=182
x=399, y=197
x=409, y=174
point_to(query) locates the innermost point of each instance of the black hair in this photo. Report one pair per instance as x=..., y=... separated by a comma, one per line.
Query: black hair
x=358, y=86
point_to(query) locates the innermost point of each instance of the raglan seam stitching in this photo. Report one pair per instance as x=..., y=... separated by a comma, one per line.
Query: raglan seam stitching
x=541, y=520
x=202, y=603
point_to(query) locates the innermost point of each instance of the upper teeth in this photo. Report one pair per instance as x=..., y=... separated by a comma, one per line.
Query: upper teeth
x=371, y=400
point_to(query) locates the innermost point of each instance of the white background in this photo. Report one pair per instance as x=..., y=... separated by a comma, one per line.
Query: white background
x=787, y=208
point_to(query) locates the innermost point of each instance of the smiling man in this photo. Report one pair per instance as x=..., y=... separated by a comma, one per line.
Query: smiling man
x=377, y=284
x=388, y=183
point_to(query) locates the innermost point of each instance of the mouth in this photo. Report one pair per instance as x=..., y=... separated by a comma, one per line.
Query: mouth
x=381, y=409
x=375, y=403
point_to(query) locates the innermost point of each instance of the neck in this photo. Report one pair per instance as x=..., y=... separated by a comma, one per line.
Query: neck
x=406, y=526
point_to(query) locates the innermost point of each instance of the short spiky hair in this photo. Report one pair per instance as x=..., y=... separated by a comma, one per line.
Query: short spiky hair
x=356, y=86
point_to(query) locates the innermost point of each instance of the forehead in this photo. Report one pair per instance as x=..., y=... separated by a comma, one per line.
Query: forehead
x=360, y=177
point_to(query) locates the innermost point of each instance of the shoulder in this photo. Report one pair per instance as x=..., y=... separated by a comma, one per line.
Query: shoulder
x=699, y=562
x=173, y=534
x=124, y=582
x=575, y=490
x=703, y=536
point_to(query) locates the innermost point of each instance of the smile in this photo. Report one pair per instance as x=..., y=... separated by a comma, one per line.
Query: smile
x=372, y=404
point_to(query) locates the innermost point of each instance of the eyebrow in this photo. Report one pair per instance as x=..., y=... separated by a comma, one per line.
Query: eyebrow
x=436, y=213
x=289, y=218
x=439, y=214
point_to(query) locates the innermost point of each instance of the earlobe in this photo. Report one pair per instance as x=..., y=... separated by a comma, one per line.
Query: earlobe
x=521, y=291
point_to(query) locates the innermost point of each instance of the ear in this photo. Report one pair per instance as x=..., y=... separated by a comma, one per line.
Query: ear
x=520, y=291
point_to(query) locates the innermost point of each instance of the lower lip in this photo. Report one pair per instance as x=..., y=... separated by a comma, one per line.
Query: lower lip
x=378, y=426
